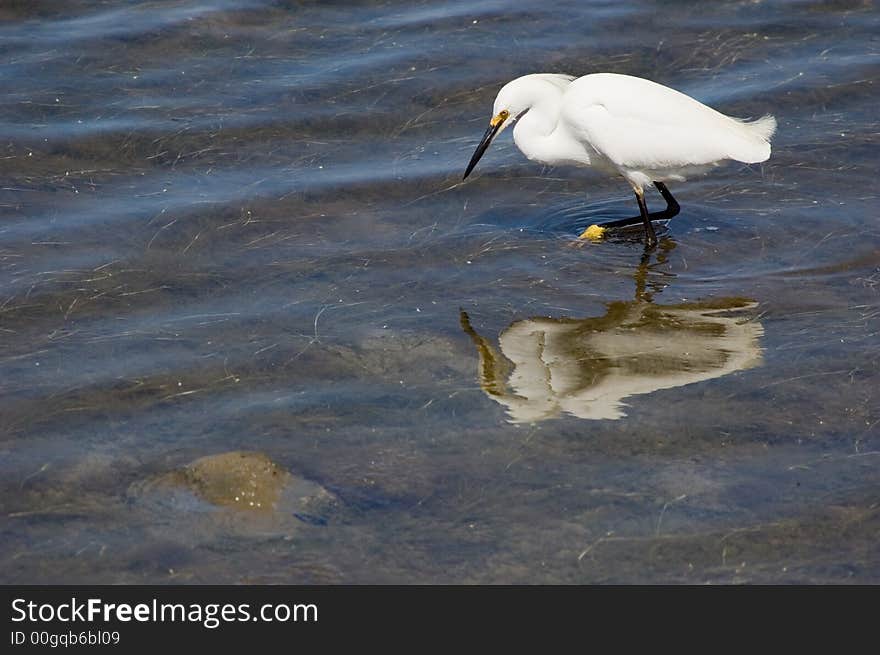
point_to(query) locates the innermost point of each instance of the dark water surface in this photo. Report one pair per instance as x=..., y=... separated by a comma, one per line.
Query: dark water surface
x=254, y=329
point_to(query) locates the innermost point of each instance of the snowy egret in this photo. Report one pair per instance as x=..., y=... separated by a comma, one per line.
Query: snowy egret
x=620, y=124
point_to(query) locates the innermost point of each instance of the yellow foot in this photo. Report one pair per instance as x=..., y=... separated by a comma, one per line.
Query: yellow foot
x=593, y=233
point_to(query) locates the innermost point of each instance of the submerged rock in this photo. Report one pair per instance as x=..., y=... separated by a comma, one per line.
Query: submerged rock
x=238, y=489
x=246, y=481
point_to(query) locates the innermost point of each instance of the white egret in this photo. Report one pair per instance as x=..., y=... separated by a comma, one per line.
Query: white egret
x=644, y=131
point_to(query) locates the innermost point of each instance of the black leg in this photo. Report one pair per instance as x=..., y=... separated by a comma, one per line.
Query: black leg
x=650, y=235
x=672, y=209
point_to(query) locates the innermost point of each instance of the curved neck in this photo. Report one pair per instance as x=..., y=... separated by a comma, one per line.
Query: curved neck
x=538, y=136
x=540, y=120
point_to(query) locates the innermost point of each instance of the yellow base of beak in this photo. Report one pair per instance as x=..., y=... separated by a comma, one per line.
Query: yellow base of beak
x=593, y=233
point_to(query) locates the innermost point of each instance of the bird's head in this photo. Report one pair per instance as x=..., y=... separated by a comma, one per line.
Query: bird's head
x=500, y=120
x=513, y=101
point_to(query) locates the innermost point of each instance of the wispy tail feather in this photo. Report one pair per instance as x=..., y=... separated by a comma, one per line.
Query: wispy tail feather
x=753, y=146
x=764, y=127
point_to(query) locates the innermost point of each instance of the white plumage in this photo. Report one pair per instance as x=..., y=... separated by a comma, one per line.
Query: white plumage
x=646, y=132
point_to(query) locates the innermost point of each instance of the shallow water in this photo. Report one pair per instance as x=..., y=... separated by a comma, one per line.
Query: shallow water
x=238, y=225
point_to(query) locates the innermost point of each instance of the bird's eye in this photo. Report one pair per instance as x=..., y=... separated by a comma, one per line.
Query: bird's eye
x=499, y=118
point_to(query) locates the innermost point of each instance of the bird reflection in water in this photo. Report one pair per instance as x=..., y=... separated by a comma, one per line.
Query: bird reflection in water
x=586, y=367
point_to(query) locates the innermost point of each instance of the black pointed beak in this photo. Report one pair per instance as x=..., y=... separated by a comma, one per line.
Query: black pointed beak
x=485, y=142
